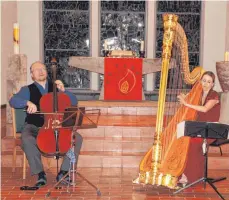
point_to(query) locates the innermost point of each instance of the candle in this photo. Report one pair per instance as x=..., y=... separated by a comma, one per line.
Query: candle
x=226, y=56
x=142, y=46
x=105, y=45
x=16, y=38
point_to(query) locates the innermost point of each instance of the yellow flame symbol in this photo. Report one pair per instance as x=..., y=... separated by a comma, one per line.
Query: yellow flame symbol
x=124, y=86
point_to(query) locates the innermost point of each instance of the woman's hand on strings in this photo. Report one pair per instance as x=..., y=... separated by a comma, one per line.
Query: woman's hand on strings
x=60, y=85
x=32, y=108
x=181, y=99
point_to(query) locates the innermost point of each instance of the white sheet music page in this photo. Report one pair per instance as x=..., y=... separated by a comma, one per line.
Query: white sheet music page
x=180, y=129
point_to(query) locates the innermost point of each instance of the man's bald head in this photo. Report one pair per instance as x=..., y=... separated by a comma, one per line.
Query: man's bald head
x=35, y=64
x=38, y=72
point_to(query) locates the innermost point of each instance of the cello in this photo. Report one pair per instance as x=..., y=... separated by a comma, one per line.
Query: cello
x=53, y=139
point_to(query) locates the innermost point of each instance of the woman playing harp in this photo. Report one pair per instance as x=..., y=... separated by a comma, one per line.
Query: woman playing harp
x=169, y=157
x=208, y=110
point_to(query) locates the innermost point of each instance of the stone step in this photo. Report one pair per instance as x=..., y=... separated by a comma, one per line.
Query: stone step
x=116, y=132
x=129, y=142
x=111, y=159
x=86, y=159
x=127, y=108
x=215, y=151
x=110, y=132
x=102, y=144
x=117, y=145
x=133, y=122
x=215, y=161
x=109, y=104
x=126, y=120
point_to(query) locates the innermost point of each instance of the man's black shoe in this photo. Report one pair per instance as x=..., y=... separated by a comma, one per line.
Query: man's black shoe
x=42, y=180
x=61, y=174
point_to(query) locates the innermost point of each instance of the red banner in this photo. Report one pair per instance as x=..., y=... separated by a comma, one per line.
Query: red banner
x=122, y=79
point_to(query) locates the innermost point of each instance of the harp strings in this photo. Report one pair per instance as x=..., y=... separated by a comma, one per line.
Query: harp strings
x=175, y=86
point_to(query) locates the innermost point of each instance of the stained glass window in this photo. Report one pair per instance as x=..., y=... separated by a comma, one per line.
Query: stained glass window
x=122, y=25
x=66, y=28
x=189, y=13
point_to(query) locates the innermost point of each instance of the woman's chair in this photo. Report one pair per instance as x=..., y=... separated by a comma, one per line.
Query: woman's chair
x=224, y=119
x=219, y=143
x=18, y=116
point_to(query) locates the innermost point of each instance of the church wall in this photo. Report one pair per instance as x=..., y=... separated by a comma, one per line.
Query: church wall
x=31, y=34
x=1, y=53
x=150, y=41
x=8, y=18
x=213, y=36
x=227, y=30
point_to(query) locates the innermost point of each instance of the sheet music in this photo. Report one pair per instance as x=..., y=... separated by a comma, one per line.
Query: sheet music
x=180, y=129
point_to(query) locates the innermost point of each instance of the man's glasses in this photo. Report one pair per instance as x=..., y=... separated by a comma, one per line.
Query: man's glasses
x=39, y=69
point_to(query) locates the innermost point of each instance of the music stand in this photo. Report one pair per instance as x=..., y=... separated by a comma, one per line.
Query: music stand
x=205, y=130
x=75, y=117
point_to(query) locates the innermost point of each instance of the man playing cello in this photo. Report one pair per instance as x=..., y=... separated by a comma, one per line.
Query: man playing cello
x=28, y=96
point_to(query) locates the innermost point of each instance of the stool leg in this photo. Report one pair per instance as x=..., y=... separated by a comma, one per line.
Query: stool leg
x=49, y=163
x=14, y=159
x=220, y=150
x=24, y=166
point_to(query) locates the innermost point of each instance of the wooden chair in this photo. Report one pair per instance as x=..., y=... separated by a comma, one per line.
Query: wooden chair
x=219, y=143
x=18, y=116
x=223, y=119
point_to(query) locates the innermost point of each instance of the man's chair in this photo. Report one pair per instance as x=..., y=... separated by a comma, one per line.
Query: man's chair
x=224, y=119
x=18, y=116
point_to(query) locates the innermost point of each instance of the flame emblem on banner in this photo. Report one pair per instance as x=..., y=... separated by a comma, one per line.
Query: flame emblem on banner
x=125, y=86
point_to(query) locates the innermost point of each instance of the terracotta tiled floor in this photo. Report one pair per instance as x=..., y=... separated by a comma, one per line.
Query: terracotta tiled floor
x=114, y=183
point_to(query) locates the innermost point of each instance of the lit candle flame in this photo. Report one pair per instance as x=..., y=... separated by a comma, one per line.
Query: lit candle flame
x=16, y=38
x=142, y=46
x=226, y=56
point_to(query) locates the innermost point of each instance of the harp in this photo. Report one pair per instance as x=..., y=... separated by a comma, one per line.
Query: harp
x=162, y=165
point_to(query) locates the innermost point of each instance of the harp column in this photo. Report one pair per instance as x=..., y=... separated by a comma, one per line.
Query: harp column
x=150, y=42
x=170, y=23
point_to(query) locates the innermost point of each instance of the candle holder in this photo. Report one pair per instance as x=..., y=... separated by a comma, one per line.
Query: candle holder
x=141, y=54
x=106, y=53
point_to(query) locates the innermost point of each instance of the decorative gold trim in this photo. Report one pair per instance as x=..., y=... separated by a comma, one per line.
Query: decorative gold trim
x=170, y=22
x=181, y=41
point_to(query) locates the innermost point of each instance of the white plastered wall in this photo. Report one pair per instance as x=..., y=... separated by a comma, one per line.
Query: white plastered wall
x=213, y=35
x=8, y=18
x=150, y=39
x=31, y=33
x=227, y=30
